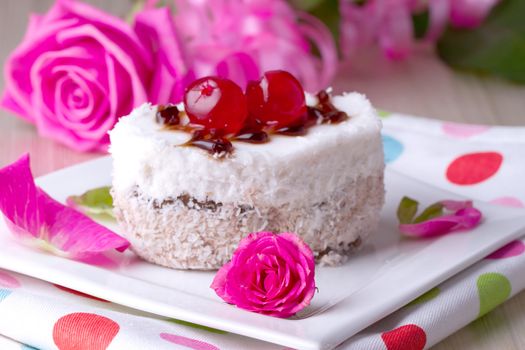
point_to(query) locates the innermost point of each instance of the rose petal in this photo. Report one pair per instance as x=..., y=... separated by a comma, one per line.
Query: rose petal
x=466, y=218
x=456, y=205
x=116, y=29
x=358, y=26
x=298, y=242
x=120, y=54
x=38, y=219
x=156, y=30
x=396, y=34
x=316, y=32
x=9, y=103
x=432, y=221
x=239, y=67
x=219, y=282
x=17, y=79
x=33, y=26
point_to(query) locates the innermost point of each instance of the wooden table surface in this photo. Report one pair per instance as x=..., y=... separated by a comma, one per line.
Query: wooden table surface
x=421, y=86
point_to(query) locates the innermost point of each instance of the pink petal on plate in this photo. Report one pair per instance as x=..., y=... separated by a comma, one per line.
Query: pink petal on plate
x=456, y=205
x=18, y=199
x=38, y=219
x=465, y=218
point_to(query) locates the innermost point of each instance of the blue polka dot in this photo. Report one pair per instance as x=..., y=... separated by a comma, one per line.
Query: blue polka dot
x=27, y=347
x=4, y=293
x=393, y=148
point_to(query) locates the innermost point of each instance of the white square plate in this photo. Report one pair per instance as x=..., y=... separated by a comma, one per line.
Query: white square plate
x=385, y=275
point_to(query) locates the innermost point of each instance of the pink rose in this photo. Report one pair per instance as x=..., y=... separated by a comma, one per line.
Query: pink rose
x=272, y=274
x=241, y=40
x=79, y=69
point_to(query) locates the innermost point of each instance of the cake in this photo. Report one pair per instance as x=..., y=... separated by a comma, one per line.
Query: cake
x=185, y=200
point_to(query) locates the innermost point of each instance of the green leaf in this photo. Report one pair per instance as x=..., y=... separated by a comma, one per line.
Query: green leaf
x=406, y=210
x=420, y=22
x=496, y=47
x=96, y=202
x=328, y=12
x=432, y=211
x=306, y=4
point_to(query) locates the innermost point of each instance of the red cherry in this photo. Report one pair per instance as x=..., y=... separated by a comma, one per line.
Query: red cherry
x=277, y=100
x=217, y=104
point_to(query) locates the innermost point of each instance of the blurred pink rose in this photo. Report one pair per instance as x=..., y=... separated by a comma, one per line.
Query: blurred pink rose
x=156, y=30
x=271, y=274
x=78, y=69
x=385, y=22
x=388, y=23
x=242, y=39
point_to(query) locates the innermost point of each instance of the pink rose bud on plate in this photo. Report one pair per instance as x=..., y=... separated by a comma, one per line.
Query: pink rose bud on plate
x=271, y=274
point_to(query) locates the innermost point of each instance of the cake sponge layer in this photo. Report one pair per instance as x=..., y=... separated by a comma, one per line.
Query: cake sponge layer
x=185, y=233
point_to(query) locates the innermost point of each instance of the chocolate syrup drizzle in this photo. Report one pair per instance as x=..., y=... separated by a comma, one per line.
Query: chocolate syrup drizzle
x=220, y=145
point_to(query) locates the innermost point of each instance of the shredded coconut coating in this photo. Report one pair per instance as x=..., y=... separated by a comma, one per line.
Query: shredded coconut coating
x=186, y=233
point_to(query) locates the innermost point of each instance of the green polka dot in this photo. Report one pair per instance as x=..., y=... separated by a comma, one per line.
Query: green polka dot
x=493, y=289
x=431, y=294
x=198, y=326
x=383, y=113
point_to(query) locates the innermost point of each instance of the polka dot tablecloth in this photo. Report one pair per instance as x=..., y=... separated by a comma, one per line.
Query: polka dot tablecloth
x=479, y=162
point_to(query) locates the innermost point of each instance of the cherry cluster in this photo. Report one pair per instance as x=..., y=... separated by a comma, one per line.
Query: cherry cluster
x=221, y=107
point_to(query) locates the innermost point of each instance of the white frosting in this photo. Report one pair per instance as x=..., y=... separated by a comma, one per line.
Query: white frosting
x=288, y=169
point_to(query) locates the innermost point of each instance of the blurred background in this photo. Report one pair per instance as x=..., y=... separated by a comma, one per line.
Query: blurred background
x=420, y=84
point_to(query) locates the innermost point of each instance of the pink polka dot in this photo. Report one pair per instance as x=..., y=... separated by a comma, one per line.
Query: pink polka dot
x=473, y=168
x=408, y=337
x=84, y=331
x=514, y=248
x=508, y=202
x=188, y=342
x=463, y=130
x=6, y=280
